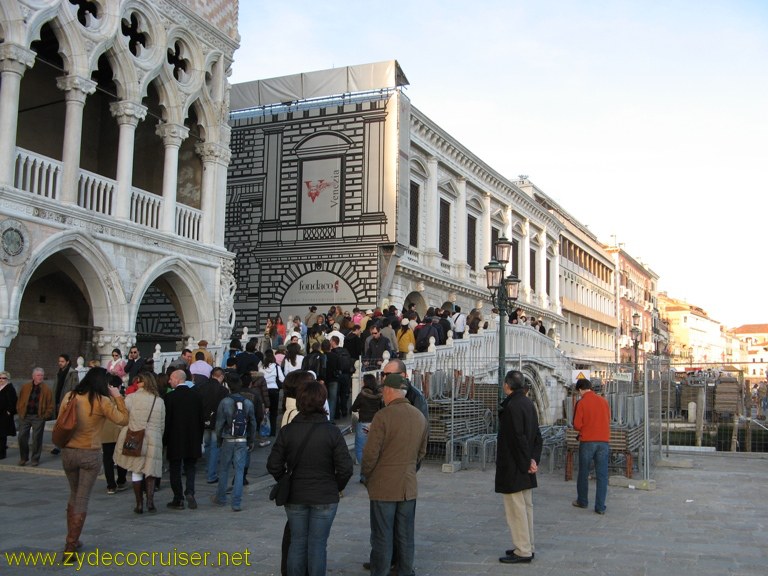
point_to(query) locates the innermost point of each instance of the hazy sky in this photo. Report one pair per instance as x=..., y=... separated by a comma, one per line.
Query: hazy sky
x=647, y=120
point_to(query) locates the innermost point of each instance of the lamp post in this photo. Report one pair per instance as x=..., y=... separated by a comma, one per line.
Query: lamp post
x=635, y=339
x=504, y=292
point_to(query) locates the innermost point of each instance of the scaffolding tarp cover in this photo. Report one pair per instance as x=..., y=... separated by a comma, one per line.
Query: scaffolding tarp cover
x=319, y=84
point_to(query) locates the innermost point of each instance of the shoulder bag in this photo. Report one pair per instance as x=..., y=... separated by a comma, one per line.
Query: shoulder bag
x=66, y=423
x=134, y=439
x=282, y=490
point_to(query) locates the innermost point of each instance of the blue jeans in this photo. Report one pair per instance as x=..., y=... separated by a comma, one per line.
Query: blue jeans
x=231, y=454
x=212, y=453
x=361, y=437
x=598, y=453
x=310, y=526
x=333, y=397
x=392, y=521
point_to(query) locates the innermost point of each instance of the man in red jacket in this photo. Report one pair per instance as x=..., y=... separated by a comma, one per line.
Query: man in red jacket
x=592, y=419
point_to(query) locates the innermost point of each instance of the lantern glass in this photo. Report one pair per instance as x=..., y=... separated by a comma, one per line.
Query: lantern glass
x=512, y=287
x=503, y=249
x=493, y=275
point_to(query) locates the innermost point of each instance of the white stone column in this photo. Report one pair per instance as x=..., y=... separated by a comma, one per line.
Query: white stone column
x=486, y=253
x=128, y=115
x=461, y=267
x=525, y=262
x=212, y=196
x=507, y=233
x=8, y=331
x=173, y=135
x=14, y=60
x=431, y=221
x=541, y=269
x=76, y=90
x=554, y=298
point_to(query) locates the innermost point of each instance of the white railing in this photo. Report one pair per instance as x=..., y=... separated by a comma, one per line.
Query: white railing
x=96, y=193
x=188, y=222
x=37, y=174
x=146, y=208
x=411, y=255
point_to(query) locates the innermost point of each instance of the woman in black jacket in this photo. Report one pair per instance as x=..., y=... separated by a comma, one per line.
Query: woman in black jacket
x=322, y=470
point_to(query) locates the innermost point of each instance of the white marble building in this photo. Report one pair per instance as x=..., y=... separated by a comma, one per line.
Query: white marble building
x=114, y=145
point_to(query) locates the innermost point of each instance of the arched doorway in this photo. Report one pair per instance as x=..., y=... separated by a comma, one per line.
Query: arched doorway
x=418, y=301
x=174, y=306
x=55, y=317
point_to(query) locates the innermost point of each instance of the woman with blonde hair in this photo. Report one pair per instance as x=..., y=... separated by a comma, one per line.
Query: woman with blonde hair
x=147, y=412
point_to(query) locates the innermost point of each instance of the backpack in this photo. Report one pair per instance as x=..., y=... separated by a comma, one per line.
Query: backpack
x=316, y=363
x=422, y=342
x=239, y=422
x=346, y=364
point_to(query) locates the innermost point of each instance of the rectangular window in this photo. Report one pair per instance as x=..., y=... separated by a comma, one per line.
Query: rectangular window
x=532, y=267
x=413, y=239
x=494, y=238
x=445, y=229
x=471, y=242
x=549, y=276
x=515, y=257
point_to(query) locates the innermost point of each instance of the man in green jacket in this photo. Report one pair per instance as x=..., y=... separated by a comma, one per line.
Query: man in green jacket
x=397, y=442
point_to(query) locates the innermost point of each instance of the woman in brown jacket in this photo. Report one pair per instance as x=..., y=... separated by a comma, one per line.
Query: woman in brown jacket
x=81, y=456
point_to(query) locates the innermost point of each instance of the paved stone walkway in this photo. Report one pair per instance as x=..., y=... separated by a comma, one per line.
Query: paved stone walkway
x=705, y=520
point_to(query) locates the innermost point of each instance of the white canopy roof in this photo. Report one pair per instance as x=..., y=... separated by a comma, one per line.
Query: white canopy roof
x=318, y=84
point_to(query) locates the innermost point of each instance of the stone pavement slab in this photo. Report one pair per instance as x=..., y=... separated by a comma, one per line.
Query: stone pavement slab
x=707, y=520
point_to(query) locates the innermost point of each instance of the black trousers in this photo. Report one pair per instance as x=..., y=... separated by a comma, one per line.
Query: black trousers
x=174, y=466
x=107, y=459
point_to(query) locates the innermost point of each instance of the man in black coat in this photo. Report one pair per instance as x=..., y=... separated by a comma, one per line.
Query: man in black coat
x=184, y=423
x=518, y=454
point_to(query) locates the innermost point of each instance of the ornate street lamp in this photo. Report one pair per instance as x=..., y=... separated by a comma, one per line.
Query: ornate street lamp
x=636, y=339
x=504, y=293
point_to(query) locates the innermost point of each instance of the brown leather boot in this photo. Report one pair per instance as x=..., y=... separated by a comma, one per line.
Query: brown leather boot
x=76, y=544
x=150, y=483
x=139, y=498
x=75, y=521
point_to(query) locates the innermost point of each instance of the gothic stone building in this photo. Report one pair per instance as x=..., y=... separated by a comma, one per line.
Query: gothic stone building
x=114, y=143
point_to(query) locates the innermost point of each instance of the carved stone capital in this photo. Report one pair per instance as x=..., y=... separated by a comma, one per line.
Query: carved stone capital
x=8, y=331
x=172, y=134
x=128, y=112
x=77, y=88
x=15, y=58
x=211, y=152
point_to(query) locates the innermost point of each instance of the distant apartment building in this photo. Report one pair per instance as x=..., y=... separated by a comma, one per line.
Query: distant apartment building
x=587, y=294
x=755, y=339
x=637, y=313
x=695, y=338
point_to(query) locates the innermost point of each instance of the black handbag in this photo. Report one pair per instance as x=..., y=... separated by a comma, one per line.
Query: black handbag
x=282, y=490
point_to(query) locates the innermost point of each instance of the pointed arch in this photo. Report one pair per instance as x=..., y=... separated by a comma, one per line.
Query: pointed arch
x=100, y=282
x=188, y=290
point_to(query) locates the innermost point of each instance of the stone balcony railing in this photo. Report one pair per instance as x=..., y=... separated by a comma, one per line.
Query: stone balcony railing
x=41, y=176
